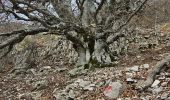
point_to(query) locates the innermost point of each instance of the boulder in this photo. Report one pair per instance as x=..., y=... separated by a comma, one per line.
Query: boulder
x=113, y=90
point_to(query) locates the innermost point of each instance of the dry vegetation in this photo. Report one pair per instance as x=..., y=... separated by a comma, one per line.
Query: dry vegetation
x=49, y=58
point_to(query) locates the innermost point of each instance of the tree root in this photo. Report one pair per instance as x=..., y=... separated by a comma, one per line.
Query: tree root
x=152, y=74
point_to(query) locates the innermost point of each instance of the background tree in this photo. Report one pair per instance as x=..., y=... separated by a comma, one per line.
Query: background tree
x=91, y=25
x=155, y=12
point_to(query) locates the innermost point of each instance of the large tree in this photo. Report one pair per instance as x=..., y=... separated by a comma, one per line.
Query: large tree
x=91, y=25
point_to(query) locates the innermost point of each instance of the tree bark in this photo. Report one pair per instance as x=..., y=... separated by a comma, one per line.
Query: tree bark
x=101, y=53
x=91, y=55
x=94, y=54
x=83, y=56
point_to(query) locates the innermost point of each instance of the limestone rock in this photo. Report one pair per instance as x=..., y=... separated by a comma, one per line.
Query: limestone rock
x=146, y=66
x=128, y=74
x=25, y=96
x=130, y=80
x=113, y=90
x=155, y=83
x=89, y=87
x=61, y=96
x=164, y=84
x=134, y=68
x=77, y=71
x=84, y=83
x=164, y=96
x=39, y=85
x=61, y=69
x=71, y=94
x=157, y=90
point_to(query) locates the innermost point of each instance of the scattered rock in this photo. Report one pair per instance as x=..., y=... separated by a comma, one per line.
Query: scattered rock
x=164, y=84
x=134, y=68
x=155, y=83
x=168, y=98
x=99, y=84
x=71, y=94
x=36, y=94
x=164, y=96
x=84, y=83
x=25, y=96
x=128, y=98
x=157, y=90
x=47, y=67
x=167, y=74
x=118, y=73
x=89, y=87
x=167, y=79
x=146, y=66
x=127, y=69
x=61, y=69
x=145, y=98
x=79, y=80
x=128, y=74
x=168, y=43
x=162, y=73
x=77, y=71
x=33, y=71
x=113, y=90
x=161, y=77
x=39, y=85
x=45, y=98
x=119, y=98
x=45, y=70
x=130, y=80
x=61, y=96
x=71, y=86
x=138, y=56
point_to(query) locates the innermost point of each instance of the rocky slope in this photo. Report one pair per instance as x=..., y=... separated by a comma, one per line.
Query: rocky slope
x=45, y=75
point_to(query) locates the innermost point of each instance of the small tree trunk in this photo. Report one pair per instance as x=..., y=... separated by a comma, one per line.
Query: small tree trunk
x=83, y=56
x=101, y=53
x=92, y=55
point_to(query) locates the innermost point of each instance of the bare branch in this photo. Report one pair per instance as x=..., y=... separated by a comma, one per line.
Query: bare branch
x=98, y=9
x=131, y=16
x=63, y=9
x=127, y=21
x=20, y=36
x=8, y=51
x=115, y=37
x=17, y=16
x=43, y=11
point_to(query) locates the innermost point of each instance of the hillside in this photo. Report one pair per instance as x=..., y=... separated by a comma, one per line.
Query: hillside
x=49, y=78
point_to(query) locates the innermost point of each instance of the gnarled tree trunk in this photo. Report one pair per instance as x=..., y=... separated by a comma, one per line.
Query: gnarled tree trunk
x=92, y=54
x=101, y=52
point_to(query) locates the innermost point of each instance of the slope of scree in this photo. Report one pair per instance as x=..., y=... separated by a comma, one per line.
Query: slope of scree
x=45, y=76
